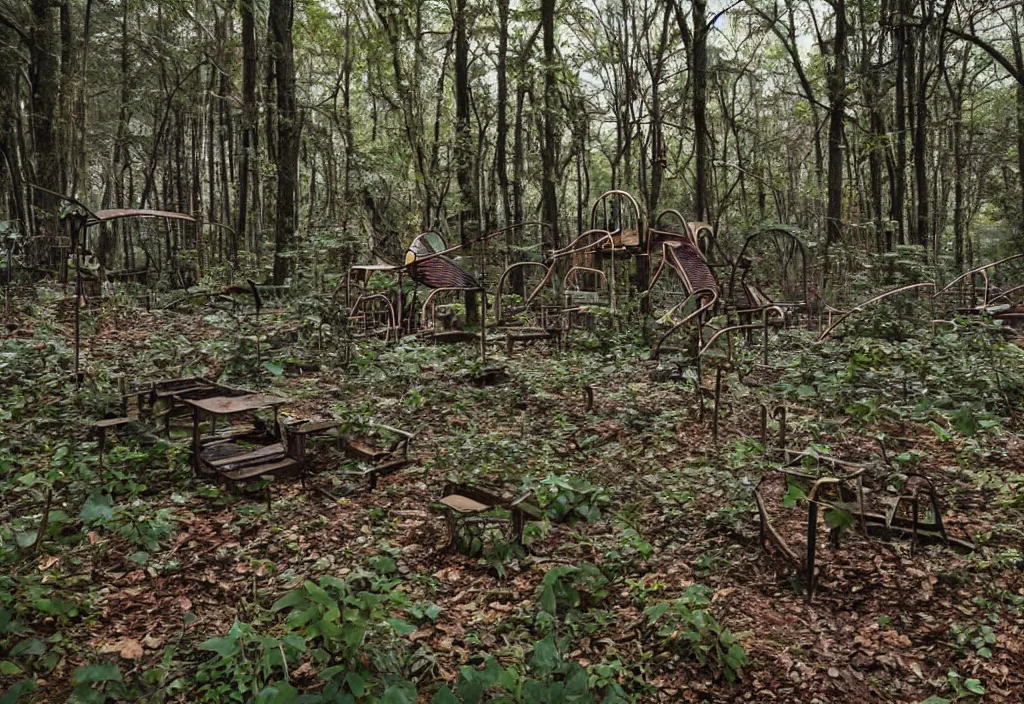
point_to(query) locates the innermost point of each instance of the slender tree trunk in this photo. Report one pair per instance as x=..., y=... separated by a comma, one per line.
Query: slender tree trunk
x=468, y=225
x=248, y=113
x=44, y=83
x=501, y=150
x=549, y=193
x=900, y=180
x=281, y=18
x=699, y=64
x=837, y=108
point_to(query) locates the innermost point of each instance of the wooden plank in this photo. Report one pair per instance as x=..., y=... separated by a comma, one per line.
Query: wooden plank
x=167, y=393
x=259, y=470
x=226, y=405
x=113, y=422
x=257, y=454
x=315, y=427
x=464, y=504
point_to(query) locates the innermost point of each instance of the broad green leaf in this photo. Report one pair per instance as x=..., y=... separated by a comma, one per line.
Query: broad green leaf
x=95, y=674
x=402, y=628
x=97, y=508
x=974, y=686
x=445, y=696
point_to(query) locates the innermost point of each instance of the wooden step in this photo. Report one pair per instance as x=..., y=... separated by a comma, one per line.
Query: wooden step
x=464, y=504
x=315, y=427
x=259, y=470
x=114, y=422
x=261, y=453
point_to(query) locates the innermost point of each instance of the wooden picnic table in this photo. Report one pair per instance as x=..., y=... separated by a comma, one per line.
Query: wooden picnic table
x=245, y=465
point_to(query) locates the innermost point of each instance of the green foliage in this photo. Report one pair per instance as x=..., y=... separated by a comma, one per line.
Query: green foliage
x=564, y=496
x=687, y=626
x=966, y=379
x=568, y=587
x=980, y=638
x=245, y=663
x=548, y=679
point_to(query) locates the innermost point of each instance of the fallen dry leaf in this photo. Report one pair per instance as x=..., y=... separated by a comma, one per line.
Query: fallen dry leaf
x=129, y=649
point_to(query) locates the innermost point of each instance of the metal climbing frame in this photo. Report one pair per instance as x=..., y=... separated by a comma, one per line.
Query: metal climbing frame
x=791, y=251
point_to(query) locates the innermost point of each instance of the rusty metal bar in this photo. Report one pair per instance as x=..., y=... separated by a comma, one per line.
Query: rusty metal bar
x=902, y=289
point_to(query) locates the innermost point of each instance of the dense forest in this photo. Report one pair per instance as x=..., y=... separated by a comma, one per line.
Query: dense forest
x=285, y=124
x=612, y=351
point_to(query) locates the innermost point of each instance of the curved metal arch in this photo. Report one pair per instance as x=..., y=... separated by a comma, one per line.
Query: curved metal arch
x=591, y=247
x=602, y=202
x=762, y=233
x=736, y=328
x=585, y=269
x=1005, y=295
x=856, y=309
x=983, y=270
x=363, y=299
x=711, y=246
x=712, y=299
x=429, y=303
x=549, y=270
x=673, y=213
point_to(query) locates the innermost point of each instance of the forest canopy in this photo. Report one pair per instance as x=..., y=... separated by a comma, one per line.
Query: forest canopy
x=287, y=124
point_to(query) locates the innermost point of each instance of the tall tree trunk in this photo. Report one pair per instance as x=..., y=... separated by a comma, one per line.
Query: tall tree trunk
x=699, y=64
x=468, y=225
x=900, y=180
x=549, y=193
x=501, y=150
x=281, y=17
x=837, y=107
x=920, y=138
x=44, y=83
x=248, y=113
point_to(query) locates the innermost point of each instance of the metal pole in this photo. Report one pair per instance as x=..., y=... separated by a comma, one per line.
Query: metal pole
x=764, y=340
x=483, y=325
x=718, y=395
x=78, y=225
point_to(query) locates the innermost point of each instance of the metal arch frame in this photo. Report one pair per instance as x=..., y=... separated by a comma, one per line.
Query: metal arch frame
x=590, y=248
x=712, y=246
x=428, y=302
x=712, y=299
x=1005, y=295
x=856, y=309
x=728, y=330
x=641, y=220
x=573, y=271
x=670, y=211
x=983, y=270
x=365, y=298
x=548, y=271
x=761, y=233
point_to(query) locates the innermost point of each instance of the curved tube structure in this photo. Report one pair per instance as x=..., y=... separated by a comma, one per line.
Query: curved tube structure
x=835, y=323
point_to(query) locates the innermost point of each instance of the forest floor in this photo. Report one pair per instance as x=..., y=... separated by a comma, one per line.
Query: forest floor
x=150, y=584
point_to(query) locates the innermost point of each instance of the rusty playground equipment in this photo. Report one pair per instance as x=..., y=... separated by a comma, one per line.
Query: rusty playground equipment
x=840, y=493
